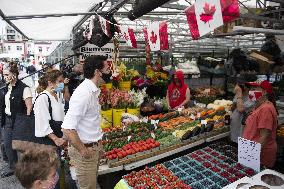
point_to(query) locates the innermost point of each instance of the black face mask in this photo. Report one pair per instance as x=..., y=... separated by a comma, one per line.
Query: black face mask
x=106, y=77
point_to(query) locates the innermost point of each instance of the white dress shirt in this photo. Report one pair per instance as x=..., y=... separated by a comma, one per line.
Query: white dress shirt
x=84, y=112
x=42, y=116
x=27, y=93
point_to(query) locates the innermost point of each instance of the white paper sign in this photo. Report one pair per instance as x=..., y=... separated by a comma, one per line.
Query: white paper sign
x=192, y=117
x=249, y=153
x=128, y=138
x=203, y=122
x=153, y=135
x=90, y=49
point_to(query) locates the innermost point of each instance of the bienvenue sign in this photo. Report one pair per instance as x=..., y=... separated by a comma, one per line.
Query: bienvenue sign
x=90, y=49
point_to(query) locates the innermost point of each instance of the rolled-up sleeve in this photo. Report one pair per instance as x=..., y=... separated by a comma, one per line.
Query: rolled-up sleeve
x=78, y=106
x=42, y=117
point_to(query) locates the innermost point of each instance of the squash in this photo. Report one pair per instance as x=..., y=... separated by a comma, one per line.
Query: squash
x=221, y=108
x=187, y=135
x=209, y=127
x=196, y=131
x=202, y=129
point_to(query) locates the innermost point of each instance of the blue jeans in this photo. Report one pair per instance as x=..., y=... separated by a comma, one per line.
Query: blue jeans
x=7, y=138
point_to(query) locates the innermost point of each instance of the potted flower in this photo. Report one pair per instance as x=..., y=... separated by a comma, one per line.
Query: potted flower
x=136, y=99
x=124, y=76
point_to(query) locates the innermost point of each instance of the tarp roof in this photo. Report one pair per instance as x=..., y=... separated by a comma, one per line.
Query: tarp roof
x=53, y=28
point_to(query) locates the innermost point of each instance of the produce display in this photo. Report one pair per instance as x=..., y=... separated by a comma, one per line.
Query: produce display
x=154, y=177
x=207, y=95
x=160, y=131
x=212, y=167
x=132, y=148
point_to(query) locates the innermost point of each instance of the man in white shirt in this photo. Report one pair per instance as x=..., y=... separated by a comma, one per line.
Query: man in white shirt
x=81, y=125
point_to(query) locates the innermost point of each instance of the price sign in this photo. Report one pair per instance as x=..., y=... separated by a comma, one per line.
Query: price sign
x=249, y=153
x=203, y=122
x=192, y=117
x=128, y=138
x=153, y=135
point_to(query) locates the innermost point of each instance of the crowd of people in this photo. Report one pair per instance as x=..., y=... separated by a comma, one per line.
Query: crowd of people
x=32, y=128
x=35, y=130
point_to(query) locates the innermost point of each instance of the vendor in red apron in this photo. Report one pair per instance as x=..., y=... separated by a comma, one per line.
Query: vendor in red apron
x=178, y=93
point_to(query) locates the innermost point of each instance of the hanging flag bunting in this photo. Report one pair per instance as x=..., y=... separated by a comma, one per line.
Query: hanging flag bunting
x=104, y=25
x=128, y=35
x=230, y=10
x=89, y=29
x=156, y=35
x=164, y=42
x=147, y=47
x=206, y=15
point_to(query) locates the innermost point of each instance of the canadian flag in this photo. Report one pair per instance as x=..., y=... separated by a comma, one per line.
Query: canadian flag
x=128, y=35
x=156, y=35
x=104, y=25
x=206, y=15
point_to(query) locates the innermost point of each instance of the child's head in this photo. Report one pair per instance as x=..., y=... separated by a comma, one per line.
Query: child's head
x=37, y=169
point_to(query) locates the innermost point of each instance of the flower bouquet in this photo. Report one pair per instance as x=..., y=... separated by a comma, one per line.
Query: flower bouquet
x=136, y=99
x=119, y=101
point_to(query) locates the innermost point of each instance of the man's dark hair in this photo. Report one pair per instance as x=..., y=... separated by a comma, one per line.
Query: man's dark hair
x=92, y=63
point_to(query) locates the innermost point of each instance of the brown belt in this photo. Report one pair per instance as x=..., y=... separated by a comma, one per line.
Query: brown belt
x=92, y=144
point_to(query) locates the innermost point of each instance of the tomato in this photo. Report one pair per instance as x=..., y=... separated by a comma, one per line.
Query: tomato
x=143, y=148
x=129, y=152
x=125, y=148
x=114, y=156
x=157, y=144
x=120, y=155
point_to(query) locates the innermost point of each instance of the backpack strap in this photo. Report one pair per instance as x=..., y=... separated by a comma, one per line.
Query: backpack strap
x=49, y=102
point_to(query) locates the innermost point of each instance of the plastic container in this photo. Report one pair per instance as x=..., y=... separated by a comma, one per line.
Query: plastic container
x=133, y=111
x=116, y=116
x=106, y=118
x=125, y=85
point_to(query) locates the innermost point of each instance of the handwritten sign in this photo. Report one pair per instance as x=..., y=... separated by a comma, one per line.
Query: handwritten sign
x=249, y=153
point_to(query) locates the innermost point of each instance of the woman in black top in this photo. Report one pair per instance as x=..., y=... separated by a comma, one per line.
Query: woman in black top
x=17, y=100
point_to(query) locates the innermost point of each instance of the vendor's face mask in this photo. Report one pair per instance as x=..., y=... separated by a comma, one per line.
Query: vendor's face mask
x=255, y=95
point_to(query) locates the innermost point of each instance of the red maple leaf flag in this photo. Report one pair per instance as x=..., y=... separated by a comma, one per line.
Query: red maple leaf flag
x=164, y=38
x=206, y=15
x=154, y=36
x=128, y=36
x=157, y=36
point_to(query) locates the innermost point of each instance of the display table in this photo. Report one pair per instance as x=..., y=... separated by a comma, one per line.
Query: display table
x=212, y=167
x=217, y=137
x=105, y=169
x=163, y=155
